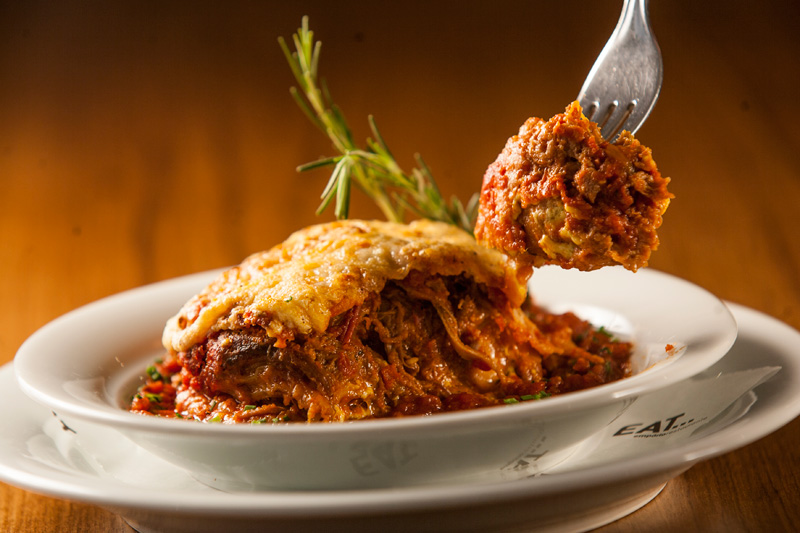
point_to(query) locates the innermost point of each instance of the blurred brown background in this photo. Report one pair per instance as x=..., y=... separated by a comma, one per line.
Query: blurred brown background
x=142, y=140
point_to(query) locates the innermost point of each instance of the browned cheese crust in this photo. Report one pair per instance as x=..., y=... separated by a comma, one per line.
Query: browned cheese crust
x=560, y=194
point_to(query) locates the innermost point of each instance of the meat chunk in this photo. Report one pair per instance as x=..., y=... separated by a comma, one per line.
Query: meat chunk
x=423, y=345
x=560, y=194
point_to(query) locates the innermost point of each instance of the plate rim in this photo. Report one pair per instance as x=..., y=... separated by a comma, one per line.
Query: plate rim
x=27, y=377
x=334, y=503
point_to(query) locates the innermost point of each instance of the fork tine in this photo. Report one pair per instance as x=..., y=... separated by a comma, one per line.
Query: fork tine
x=616, y=118
x=606, y=115
x=591, y=110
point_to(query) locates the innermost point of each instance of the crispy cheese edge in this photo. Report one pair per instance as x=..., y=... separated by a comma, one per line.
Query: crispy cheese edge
x=321, y=271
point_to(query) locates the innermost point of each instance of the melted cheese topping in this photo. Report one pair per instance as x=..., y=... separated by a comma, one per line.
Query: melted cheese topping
x=322, y=271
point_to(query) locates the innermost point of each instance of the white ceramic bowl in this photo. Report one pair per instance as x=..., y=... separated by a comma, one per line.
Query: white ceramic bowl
x=85, y=365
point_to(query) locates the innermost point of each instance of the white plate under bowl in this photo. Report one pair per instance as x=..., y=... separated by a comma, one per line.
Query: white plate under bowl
x=100, y=467
x=84, y=366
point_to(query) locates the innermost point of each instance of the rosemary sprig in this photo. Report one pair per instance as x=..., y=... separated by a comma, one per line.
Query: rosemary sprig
x=373, y=169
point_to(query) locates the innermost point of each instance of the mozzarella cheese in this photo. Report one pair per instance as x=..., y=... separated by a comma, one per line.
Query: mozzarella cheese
x=322, y=271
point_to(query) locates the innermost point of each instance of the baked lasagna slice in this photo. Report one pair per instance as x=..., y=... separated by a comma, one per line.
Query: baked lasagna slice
x=560, y=194
x=356, y=319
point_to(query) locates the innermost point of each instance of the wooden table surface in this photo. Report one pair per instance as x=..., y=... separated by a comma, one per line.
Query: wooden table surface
x=142, y=140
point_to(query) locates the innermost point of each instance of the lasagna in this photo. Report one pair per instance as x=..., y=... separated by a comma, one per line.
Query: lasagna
x=560, y=194
x=364, y=319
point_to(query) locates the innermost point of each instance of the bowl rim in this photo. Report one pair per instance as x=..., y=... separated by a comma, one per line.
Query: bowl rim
x=31, y=355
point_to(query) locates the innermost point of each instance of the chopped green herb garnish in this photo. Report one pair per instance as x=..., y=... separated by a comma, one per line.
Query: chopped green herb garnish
x=289, y=299
x=603, y=331
x=537, y=396
x=217, y=418
x=249, y=407
x=154, y=374
x=152, y=397
x=259, y=421
x=178, y=415
x=510, y=400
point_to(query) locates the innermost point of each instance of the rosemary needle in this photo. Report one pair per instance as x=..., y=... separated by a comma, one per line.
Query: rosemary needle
x=372, y=168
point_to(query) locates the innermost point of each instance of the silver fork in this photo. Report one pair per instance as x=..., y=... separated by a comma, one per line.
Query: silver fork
x=622, y=88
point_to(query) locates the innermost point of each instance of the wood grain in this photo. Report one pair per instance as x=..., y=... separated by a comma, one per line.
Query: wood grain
x=142, y=140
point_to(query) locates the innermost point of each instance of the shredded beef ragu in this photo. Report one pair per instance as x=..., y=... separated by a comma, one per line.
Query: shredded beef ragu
x=423, y=345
